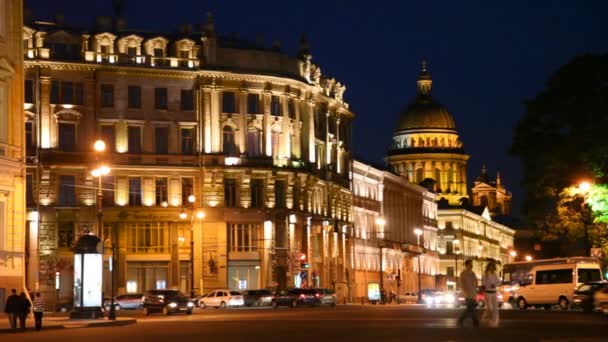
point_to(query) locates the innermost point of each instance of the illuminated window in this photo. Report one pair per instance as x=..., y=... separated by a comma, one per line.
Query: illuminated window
x=148, y=237
x=243, y=237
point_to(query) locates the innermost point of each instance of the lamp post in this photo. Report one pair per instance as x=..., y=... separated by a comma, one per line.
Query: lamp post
x=584, y=188
x=380, y=221
x=418, y=232
x=456, y=250
x=513, y=254
x=200, y=215
x=103, y=170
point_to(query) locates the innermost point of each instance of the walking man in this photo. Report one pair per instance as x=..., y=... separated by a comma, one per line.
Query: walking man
x=39, y=304
x=23, y=309
x=11, y=308
x=468, y=284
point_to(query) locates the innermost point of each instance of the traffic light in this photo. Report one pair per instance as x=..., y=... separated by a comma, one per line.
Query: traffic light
x=303, y=263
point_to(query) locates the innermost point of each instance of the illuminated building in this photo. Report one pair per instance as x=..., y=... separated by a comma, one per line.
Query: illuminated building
x=12, y=166
x=492, y=194
x=387, y=211
x=259, y=138
x=427, y=150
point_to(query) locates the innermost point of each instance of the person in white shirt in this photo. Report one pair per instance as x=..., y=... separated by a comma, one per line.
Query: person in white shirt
x=490, y=283
x=468, y=285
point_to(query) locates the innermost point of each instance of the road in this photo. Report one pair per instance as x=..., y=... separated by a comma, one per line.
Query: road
x=344, y=323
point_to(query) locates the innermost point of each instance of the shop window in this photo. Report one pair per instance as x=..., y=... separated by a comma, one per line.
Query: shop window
x=243, y=237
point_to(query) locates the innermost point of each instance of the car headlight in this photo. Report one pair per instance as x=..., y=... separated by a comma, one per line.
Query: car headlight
x=190, y=304
x=428, y=300
x=172, y=305
x=449, y=298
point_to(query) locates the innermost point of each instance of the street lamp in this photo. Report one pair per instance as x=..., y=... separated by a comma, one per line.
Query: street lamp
x=200, y=215
x=528, y=258
x=99, y=146
x=418, y=232
x=584, y=186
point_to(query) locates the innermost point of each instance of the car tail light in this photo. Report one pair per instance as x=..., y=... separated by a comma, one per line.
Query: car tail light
x=302, y=296
x=317, y=295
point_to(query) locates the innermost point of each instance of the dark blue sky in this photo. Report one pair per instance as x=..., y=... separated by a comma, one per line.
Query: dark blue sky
x=485, y=57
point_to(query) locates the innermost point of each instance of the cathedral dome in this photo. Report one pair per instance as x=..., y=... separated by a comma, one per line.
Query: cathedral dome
x=424, y=111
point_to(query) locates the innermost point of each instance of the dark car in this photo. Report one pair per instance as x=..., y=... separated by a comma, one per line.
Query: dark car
x=326, y=296
x=167, y=302
x=296, y=297
x=584, y=294
x=258, y=297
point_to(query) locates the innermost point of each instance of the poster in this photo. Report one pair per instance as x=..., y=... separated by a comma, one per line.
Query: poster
x=91, y=291
x=373, y=291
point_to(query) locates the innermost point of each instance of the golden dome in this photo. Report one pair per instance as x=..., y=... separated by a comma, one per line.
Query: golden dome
x=424, y=111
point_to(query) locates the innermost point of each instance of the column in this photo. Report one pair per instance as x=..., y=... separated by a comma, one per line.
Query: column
x=310, y=132
x=45, y=112
x=242, y=134
x=297, y=126
x=216, y=145
x=285, y=132
x=207, y=119
x=267, y=136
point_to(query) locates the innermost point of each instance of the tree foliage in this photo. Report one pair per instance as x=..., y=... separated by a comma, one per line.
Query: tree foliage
x=563, y=136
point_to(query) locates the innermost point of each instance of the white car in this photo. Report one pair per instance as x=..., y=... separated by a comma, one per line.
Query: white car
x=408, y=297
x=222, y=299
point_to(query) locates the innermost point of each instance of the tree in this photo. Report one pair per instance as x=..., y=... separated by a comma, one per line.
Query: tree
x=562, y=136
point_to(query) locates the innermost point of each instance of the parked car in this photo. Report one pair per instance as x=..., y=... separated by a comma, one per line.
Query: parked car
x=125, y=302
x=584, y=294
x=296, y=297
x=166, y=302
x=261, y=297
x=326, y=296
x=408, y=297
x=222, y=299
x=600, y=300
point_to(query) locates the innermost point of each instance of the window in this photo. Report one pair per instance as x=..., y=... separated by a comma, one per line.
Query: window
x=54, y=91
x=135, y=191
x=107, y=184
x=554, y=277
x=187, y=136
x=160, y=98
x=29, y=190
x=161, y=191
x=253, y=103
x=230, y=193
x=67, y=92
x=29, y=91
x=279, y=193
x=228, y=144
x=65, y=234
x=187, y=189
x=257, y=193
x=134, y=133
x=134, y=94
x=147, y=237
x=107, y=95
x=78, y=94
x=131, y=51
x=108, y=135
x=228, y=102
x=67, y=191
x=243, y=237
x=275, y=106
x=449, y=225
x=161, y=138
x=187, y=99
x=30, y=146
x=254, y=143
x=67, y=137
x=450, y=271
x=184, y=54
x=292, y=109
x=589, y=274
x=158, y=52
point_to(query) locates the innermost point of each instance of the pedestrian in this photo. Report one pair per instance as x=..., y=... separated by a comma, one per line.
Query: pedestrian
x=11, y=308
x=38, y=308
x=468, y=284
x=23, y=309
x=490, y=283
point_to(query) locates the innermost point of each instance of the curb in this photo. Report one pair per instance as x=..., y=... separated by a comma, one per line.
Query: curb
x=17, y=331
x=73, y=325
x=112, y=323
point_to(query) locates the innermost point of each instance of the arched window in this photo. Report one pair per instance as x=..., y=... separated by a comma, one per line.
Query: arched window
x=228, y=144
x=254, y=142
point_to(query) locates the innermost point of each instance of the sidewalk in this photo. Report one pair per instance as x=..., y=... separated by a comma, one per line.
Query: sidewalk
x=62, y=322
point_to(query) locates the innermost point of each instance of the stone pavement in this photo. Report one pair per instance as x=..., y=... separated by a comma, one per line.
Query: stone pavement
x=62, y=322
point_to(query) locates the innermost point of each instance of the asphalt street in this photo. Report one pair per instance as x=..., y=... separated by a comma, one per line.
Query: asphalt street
x=344, y=323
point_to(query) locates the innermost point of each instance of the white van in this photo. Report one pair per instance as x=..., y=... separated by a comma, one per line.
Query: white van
x=555, y=284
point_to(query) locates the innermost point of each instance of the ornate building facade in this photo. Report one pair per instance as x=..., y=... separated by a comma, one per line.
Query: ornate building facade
x=427, y=150
x=229, y=160
x=492, y=194
x=12, y=152
x=387, y=211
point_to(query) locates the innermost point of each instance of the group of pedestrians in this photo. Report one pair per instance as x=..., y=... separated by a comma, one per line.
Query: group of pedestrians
x=489, y=286
x=18, y=307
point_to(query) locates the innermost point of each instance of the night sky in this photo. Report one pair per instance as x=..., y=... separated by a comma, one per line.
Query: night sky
x=485, y=58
